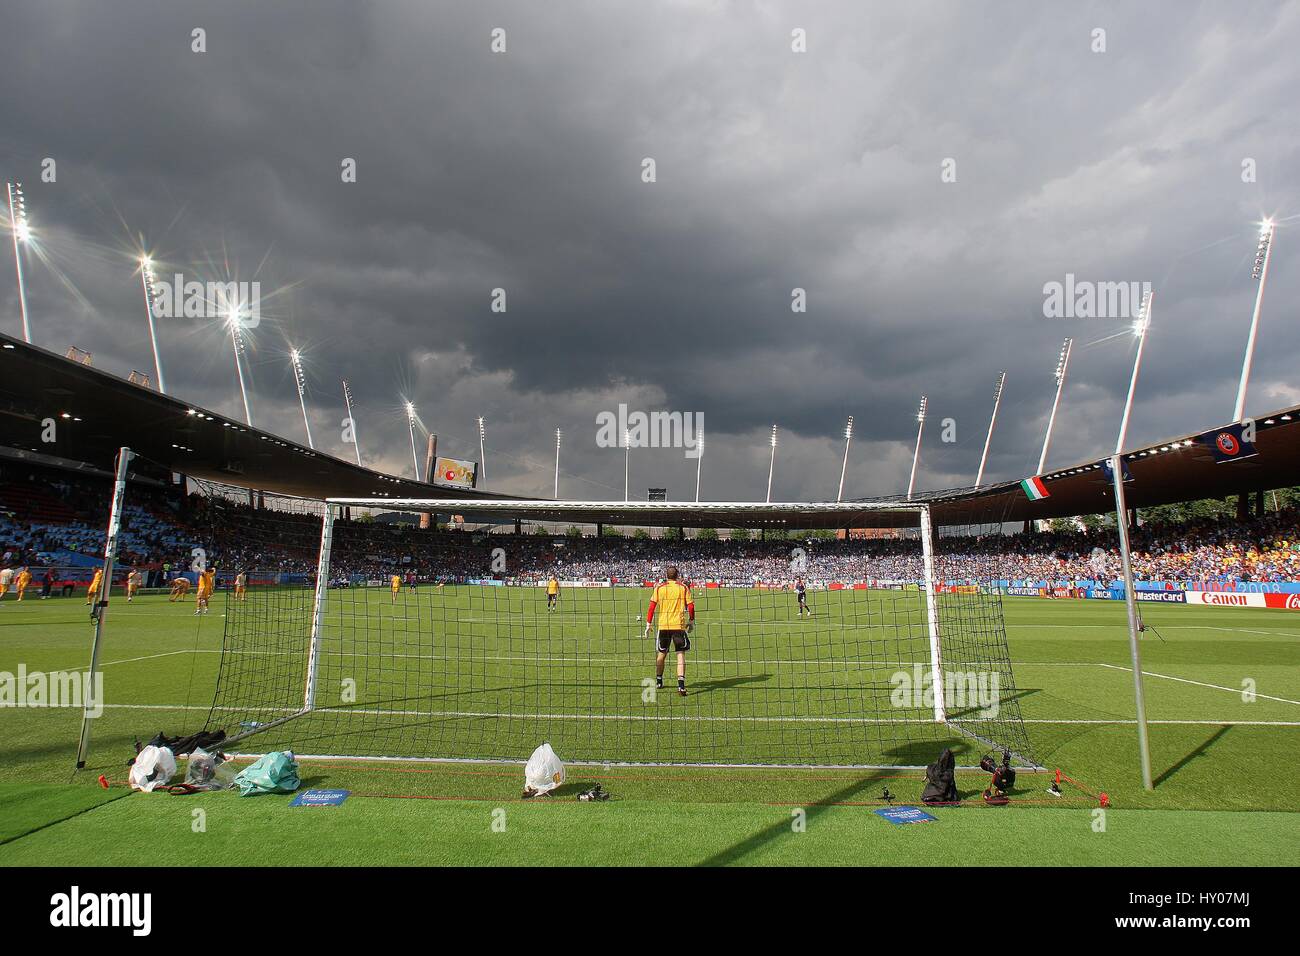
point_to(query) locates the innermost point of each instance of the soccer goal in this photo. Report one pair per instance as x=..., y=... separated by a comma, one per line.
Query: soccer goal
x=403, y=641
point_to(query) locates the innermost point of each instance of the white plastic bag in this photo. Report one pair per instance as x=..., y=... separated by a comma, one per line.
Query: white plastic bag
x=543, y=773
x=153, y=767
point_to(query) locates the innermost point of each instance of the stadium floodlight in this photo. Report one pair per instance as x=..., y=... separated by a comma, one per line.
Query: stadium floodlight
x=482, y=455
x=1062, y=364
x=237, y=343
x=997, y=400
x=1140, y=329
x=410, y=424
x=771, y=465
x=22, y=235
x=558, y=435
x=147, y=282
x=627, y=461
x=301, y=379
x=916, y=455
x=848, y=439
x=1260, y=274
x=699, y=462
x=352, y=422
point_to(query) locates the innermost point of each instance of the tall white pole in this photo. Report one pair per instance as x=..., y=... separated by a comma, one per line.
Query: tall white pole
x=699, y=463
x=146, y=281
x=482, y=454
x=296, y=357
x=627, y=463
x=410, y=424
x=1130, y=603
x=771, y=465
x=1140, y=328
x=1260, y=273
x=237, y=343
x=352, y=422
x=916, y=455
x=18, y=227
x=848, y=438
x=997, y=400
x=558, y=435
x=1062, y=364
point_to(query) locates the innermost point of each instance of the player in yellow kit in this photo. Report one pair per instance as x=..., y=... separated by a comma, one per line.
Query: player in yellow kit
x=133, y=584
x=395, y=585
x=92, y=592
x=676, y=608
x=552, y=593
x=24, y=578
x=207, y=584
x=180, y=588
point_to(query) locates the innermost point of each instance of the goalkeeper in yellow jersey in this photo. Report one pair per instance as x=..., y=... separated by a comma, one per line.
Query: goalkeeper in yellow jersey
x=676, y=608
x=552, y=593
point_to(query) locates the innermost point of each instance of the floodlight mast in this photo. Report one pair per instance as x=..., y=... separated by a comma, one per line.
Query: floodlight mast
x=237, y=343
x=699, y=462
x=410, y=424
x=997, y=400
x=1140, y=328
x=352, y=422
x=296, y=358
x=21, y=234
x=482, y=455
x=1260, y=273
x=848, y=439
x=558, y=436
x=771, y=465
x=147, y=282
x=1062, y=364
x=916, y=455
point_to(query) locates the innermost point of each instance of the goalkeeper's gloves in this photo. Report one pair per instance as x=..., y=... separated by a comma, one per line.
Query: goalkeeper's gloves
x=690, y=626
x=647, y=629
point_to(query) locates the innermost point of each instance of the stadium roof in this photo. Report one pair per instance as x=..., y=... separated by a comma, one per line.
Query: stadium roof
x=97, y=413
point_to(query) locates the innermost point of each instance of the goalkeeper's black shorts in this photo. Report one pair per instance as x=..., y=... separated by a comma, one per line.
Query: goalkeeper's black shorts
x=679, y=639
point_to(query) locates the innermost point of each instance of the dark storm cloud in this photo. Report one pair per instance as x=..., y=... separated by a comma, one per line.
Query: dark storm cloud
x=775, y=170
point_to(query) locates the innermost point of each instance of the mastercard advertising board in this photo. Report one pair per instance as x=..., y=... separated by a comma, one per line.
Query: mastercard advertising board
x=454, y=473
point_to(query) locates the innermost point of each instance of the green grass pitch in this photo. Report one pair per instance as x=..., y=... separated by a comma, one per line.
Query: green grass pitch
x=1224, y=794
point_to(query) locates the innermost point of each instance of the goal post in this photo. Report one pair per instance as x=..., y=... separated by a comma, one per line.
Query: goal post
x=421, y=643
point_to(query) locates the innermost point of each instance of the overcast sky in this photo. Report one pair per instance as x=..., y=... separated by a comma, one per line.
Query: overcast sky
x=1149, y=161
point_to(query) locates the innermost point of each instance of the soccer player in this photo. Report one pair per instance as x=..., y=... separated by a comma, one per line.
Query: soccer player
x=395, y=585
x=241, y=585
x=207, y=584
x=24, y=578
x=802, y=593
x=552, y=593
x=6, y=579
x=92, y=592
x=133, y=581
x=676, y=608
x=180, y=588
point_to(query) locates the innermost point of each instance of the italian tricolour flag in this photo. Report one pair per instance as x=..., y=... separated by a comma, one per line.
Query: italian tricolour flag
x=1034, y=488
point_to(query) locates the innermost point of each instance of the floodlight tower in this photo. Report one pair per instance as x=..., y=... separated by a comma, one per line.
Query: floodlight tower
x=22, y=234
x=1062, y=364
x=1260, y=274
x=237, y=343
x=627, y=462
x=296, y=358
x=1140, y=328
x=352, y=422
x=848, y=439
x=558, y=436
x=410, y=425
x=147, y=282
x=916, y=455
x=771, y=465
x=482, y=454
x=699, y=462
x=997, y=400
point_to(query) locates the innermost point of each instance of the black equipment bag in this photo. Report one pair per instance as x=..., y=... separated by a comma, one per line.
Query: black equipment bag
x=940, y=780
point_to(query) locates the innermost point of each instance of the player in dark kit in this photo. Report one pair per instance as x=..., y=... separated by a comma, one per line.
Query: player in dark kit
x=802, y=593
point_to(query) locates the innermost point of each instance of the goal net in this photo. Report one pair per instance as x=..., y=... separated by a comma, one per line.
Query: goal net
x=362, y=633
